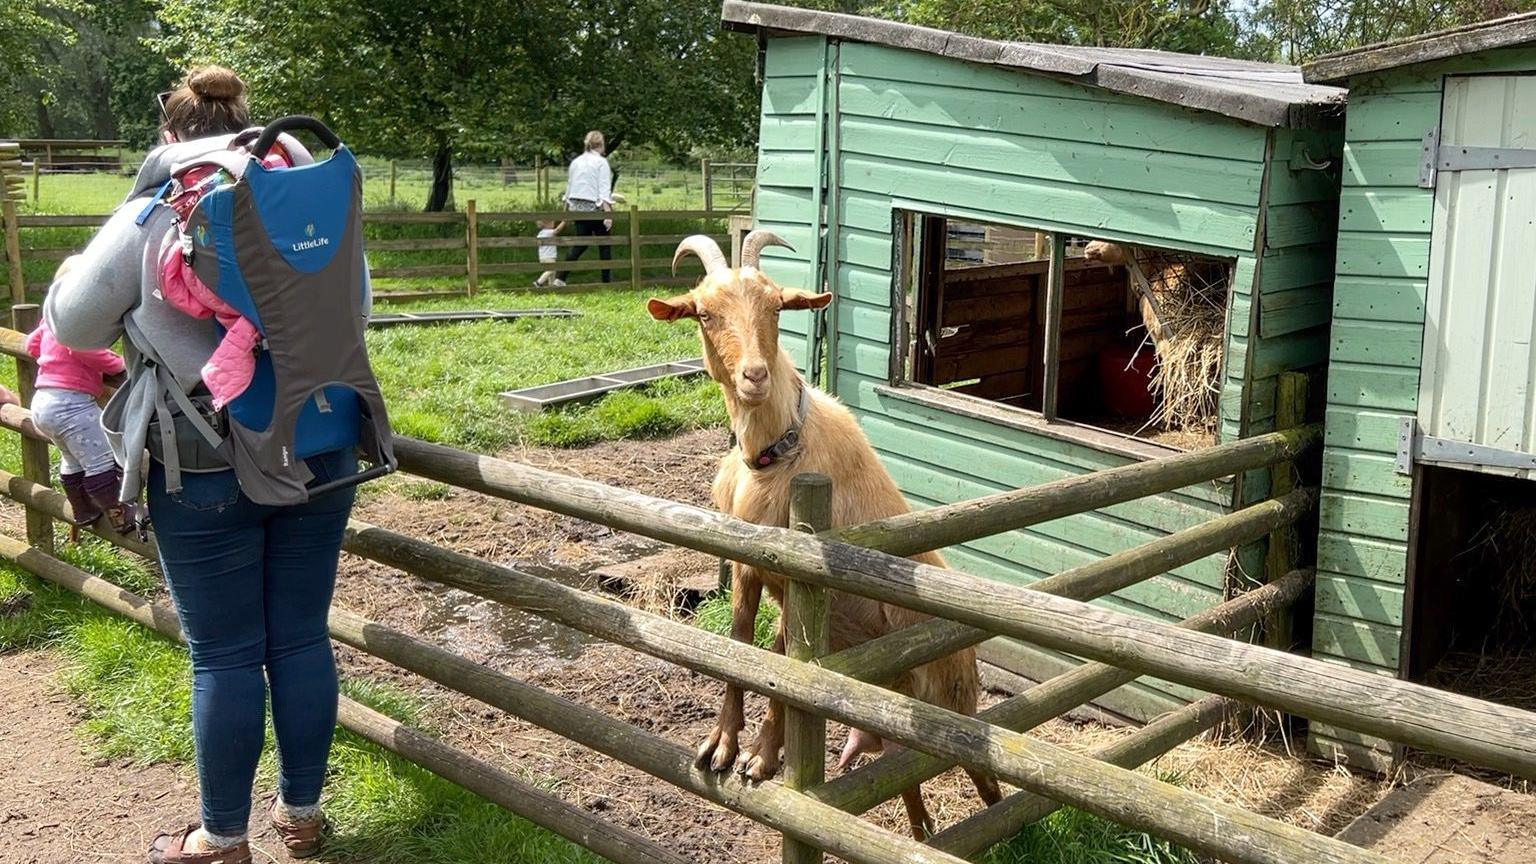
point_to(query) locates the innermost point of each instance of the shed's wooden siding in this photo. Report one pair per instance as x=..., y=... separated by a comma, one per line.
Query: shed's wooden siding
x=1373, y=377
x=938, y=135
x=787, y=170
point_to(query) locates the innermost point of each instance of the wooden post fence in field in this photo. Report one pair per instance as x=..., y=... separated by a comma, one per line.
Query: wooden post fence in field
x=394, y=170
x=37, y=182
x=478, y=235
x=806, y=637
x=35, y=465
x=472, y=244
x=707, y=184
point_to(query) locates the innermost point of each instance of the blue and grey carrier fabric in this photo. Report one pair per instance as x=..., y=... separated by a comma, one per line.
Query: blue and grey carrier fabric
x=284, y=246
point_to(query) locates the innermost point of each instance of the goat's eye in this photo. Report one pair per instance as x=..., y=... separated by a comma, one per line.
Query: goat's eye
x=703, y=317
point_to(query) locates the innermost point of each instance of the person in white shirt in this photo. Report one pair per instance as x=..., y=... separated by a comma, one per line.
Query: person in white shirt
x=589, y=189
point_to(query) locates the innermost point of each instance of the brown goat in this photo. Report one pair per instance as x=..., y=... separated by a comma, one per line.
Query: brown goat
x=738, y=315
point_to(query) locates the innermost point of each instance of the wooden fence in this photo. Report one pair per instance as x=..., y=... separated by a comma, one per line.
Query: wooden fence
x=641, y=255
x=816, y=815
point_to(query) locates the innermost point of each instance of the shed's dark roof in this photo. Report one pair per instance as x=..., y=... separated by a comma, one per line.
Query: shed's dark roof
x=1265, y=93
x=1467, y=39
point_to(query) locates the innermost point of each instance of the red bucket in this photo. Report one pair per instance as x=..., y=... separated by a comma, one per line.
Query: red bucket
x=1125, y=380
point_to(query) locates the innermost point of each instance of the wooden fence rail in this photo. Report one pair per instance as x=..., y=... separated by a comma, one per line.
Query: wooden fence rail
x=640, y=257
x=812, y=814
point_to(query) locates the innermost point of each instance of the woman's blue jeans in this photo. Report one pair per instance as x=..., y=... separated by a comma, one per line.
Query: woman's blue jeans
x=253, y=586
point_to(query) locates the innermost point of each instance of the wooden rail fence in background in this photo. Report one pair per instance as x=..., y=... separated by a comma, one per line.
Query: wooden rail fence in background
x=639, y=258
x=816, y=816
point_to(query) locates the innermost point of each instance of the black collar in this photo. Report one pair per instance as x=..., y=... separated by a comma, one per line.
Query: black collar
x=788, y=441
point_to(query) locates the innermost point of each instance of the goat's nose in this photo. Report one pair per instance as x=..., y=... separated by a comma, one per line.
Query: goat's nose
x=757, y=373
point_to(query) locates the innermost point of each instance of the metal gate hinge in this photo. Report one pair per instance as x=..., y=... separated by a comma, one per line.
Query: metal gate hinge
x=1439, y=157
x=1414, y=447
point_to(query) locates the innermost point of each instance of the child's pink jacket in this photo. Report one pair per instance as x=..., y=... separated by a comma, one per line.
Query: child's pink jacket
x=67, y=369
x=229, y=370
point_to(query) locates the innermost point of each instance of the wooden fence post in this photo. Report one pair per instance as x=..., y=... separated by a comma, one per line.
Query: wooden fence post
x=472, y=243
x=1290, y=412
x=394, y=171
x=34, y=454
x=634, y=247
x=11, y=189
x=708, y=187
x=806, y=637
x=538, y=180
x=37, y=177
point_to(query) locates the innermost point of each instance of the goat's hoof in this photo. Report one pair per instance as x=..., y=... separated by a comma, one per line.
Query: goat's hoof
x=718, y=752
x=761, y=768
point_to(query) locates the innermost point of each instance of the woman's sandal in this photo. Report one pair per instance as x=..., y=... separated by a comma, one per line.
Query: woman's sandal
x=302, y=839
x=171, y=849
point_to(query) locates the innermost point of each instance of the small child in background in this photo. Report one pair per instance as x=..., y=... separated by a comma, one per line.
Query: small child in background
x=549, y=253
x=64, y=408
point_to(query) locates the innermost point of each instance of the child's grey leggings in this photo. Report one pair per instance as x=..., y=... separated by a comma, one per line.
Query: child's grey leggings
x=73, y=421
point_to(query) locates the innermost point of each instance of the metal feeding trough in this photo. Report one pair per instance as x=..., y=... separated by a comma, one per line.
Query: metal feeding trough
x=394, y=319
x=544, y=396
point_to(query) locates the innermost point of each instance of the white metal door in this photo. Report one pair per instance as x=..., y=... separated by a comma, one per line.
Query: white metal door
x=1475, y=391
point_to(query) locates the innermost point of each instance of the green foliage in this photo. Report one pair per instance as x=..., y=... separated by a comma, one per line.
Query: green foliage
x=25, y=25
x=714, y=616
x=1292, y=31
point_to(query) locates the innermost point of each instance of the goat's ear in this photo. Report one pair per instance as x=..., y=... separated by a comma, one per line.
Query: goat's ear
x=794, y=298
x=672, y=308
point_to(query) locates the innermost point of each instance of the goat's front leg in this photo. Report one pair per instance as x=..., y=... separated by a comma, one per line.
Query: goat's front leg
x=719, y=750
x=762, y=760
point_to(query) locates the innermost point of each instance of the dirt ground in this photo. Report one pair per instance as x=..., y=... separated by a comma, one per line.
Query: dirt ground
x=649, y=693
x=58, y=804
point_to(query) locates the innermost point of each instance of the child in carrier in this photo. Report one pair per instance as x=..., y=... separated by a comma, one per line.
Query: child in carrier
x=549, y=254
x=64, y=408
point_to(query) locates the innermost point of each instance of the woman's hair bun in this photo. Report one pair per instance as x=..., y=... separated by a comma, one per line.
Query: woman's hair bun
x=216, y=82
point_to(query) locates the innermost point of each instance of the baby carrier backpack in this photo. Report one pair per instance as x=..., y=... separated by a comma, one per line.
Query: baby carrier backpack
x=275, y=252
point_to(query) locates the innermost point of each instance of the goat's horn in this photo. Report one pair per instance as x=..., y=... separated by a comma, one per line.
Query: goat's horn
x=752, y=247
x=706, y=249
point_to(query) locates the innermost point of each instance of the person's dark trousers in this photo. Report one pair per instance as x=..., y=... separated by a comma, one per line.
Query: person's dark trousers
x=590, y=228
x=252, y=585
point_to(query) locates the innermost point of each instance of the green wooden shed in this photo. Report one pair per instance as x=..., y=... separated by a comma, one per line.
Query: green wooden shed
x=1431, y=424
x=928, y=178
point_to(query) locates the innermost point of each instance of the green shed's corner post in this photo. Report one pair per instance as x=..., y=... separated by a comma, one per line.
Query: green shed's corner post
x=34, y=454
x=1290, y=413
x=805, y=638
x=634, y=247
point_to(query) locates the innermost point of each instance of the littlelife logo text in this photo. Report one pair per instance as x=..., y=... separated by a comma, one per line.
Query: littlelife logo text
x=312, y=243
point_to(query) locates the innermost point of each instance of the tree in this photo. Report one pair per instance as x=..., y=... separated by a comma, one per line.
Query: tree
x=397, y=79
x=1191, y=26
x=94, y=72
x=24, y=25
x=1296, y=30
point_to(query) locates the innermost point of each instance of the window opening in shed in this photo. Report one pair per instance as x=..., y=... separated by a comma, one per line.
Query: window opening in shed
x=1139, y=339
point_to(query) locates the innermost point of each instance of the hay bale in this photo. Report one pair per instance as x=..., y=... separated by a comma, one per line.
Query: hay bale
x=1506, y=545
x=1184, y=311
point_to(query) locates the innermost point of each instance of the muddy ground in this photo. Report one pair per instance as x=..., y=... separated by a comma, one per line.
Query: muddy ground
x=649, y=693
